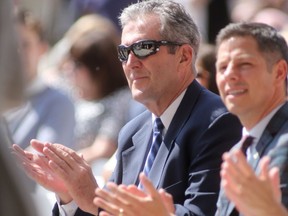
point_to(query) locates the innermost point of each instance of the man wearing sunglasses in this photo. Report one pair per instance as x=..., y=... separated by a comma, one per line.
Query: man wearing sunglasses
x=158, y=51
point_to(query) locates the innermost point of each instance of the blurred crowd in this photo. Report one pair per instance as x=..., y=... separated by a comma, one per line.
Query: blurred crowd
x=75, y=91
x=65, y=21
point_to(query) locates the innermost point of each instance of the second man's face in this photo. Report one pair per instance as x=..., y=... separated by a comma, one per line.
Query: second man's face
x=245, y=83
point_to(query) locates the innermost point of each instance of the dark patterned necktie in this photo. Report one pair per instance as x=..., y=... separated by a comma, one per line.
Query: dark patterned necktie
x=157, y=140
x=248, y=140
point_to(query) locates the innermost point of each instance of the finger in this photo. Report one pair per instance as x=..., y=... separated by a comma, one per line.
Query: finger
x=37, y=145
x=229, y=169
x=148, y=186
x=230, y=193
x=228, y=179
x=124, y=197
x=274, y=177
x=242, y=163
x=71, y=152
x=20, y=153
x=104, y=203
x=58, y=166
x=264, y=170
x=105, y=194
x=168, y=201
x=34, y=172
x=103, y=213
x=66, y=154
x=135, y=190
x=228, y=182
x=59, y=157
x=119, y=199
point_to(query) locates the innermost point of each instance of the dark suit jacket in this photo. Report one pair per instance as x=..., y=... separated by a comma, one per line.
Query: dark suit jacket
x=273, y=142
x=188, y=162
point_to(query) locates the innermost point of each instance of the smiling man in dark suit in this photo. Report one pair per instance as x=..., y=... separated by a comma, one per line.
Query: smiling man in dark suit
x=251, y=77
x=158, y=51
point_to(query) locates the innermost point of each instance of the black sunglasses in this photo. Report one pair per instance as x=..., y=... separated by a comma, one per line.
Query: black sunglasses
x=142, y=49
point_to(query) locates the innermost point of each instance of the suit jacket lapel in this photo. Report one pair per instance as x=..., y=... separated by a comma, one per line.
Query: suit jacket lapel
x=183, y=112
x=136, y=153
x=143, y=138
x=157, y=167
x=180, y=118
x=266, y=141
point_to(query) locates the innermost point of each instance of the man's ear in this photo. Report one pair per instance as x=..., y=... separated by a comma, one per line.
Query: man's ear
x=281, y=70
x=186, y=54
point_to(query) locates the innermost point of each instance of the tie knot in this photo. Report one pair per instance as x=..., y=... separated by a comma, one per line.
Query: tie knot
x=158, y=125
x=247, y=141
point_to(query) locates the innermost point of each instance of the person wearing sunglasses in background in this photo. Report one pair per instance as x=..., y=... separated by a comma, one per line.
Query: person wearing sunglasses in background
x=158, y=51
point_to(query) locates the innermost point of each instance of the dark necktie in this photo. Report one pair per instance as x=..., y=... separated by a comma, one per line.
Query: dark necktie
x=157, y=140
x=248, y=140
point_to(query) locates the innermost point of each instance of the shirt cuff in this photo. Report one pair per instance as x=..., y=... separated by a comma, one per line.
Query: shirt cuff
x=68, y=209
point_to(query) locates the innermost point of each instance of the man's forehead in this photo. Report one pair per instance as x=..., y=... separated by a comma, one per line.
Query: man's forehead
x=237, y=44
x=139, y=30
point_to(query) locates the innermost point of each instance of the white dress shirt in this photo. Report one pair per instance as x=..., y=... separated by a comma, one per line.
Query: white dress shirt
x=257, y=132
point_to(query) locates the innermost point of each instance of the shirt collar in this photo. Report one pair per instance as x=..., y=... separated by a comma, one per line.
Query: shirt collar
x=258, y=129
x=169, y=113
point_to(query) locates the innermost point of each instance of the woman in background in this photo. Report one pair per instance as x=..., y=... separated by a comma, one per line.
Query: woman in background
x=102, y=95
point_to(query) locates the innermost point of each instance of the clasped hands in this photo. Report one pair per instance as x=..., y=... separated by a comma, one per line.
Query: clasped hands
x=61, y=170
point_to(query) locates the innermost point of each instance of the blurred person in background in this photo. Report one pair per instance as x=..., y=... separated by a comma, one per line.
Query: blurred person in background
x=271, y=12
x=206, y=16
x=58, y=15
x=206, y=69
x=47, y=113
x=14, y=185
x=53, y=60
x=102, y=94
x=91, y=73
x=107, y=8
x=271, y=16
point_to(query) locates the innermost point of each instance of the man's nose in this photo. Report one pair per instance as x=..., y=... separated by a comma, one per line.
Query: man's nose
x=231, y=72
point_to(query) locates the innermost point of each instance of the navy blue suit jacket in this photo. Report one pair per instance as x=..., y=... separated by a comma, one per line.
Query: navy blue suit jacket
x=274, y=143
x=188, y=162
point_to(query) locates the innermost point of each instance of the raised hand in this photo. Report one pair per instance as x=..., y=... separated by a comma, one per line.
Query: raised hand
x=37, y=168
x=61, y=170
x=129, y=200
x=252, y=195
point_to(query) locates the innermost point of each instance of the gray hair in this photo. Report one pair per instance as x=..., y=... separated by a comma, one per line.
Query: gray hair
x=176, y=24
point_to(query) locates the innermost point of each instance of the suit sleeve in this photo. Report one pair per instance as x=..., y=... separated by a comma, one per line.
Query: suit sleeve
x=279, y=158
x=204, y=167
